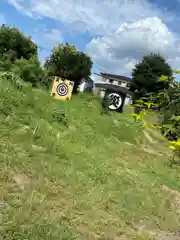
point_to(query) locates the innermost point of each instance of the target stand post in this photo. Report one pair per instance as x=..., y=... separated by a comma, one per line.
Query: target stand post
x=62, y=89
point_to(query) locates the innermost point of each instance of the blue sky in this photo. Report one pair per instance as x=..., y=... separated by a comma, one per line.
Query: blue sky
x=116, y=33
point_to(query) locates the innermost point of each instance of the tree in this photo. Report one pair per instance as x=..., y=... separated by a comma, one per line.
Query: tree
x=15, y=45
x=19, y=54
x=66, y=61
x=146, y=73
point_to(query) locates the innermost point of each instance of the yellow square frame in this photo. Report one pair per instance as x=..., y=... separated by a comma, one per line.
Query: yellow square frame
x=62, y=89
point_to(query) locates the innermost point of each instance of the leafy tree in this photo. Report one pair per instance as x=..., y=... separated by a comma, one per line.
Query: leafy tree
x=15, y=45
x=146, y=73
x=66, y=61
x=19, y=54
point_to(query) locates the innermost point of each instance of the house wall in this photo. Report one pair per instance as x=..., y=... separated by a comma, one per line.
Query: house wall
x=84, y=86
x=128, y=100
x=101, y=93
x=105, y=80
x=115, y=82
x=123, y=84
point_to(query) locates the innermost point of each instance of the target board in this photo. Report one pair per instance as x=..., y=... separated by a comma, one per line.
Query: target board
x=62, y=89
x=114, y=101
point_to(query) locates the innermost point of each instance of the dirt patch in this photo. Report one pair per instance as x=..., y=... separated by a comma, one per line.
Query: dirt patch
x=149, y=150
x=38, y=148
x=175, y=203
x=156, y=134
x=148, y=137
x=155, y=234
x=20, y=180
x=129, y=144
x=170, y=190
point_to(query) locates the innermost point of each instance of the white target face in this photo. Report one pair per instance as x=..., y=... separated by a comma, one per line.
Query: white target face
x=62, y=89
x=115, y=101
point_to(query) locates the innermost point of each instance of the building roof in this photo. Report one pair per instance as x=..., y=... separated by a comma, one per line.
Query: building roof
x=115, y=77
x=113, y=88
x=87, y=79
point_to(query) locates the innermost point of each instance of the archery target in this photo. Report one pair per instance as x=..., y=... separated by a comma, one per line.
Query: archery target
x=62, y=89
x=114, y=101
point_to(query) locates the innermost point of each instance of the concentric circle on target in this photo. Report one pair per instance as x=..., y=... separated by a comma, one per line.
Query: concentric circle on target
x=62, y=89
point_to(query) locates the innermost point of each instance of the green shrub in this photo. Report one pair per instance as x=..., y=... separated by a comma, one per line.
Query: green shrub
x=29, y=70
x=8, y=100
x=14, y=80
x=168, y=101
x=60, y=116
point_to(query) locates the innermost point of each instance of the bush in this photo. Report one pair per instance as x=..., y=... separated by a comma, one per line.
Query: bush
x=12, y=78
x=8, y=100
x=29, y=70
x=169, y=101
x=60, y=116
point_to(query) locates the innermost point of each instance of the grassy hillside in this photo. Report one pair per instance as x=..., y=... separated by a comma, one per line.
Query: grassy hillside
x=67, y=172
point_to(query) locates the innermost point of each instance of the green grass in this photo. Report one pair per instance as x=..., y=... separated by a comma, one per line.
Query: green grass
x=68, y=172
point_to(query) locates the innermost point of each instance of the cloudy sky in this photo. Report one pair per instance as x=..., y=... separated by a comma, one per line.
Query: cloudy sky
x=116, y=33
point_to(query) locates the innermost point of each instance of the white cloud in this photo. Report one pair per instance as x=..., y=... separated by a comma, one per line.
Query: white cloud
x=100, y=16
x=47, y=37
x=18, y=5
x=119, y=51
x=54, y=35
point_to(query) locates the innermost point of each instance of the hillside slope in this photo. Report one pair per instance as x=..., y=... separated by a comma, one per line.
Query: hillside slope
x=67, y=172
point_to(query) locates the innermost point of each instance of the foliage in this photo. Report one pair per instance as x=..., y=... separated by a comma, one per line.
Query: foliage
x=5, y=63
x=67, y=62
x=170, y=99
x=60, y=115
x=29, y=70
x=19, y=55
x=175, y=146
x=146, y=74
x=9, y=104
x=168, y=102
x=12, y=78
x=15, y=45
